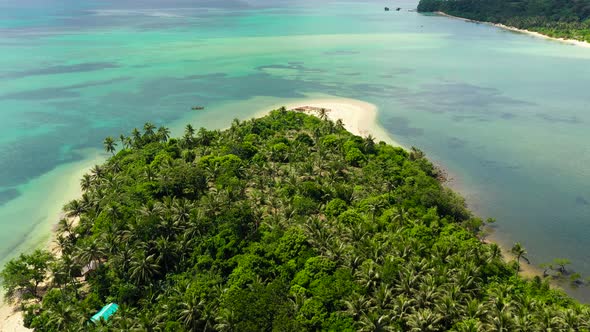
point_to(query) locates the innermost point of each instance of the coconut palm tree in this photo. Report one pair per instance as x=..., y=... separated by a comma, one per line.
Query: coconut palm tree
x=163, y=134
x=124, y=141
x=97, y=173
x=91, y=252
x=86, y=182
x=423, y=320
x=374, y=322
x=520, y=252
x=369, y=275
x=148, y=129
x=65, y=225
x=143, y=268
x=357, y=304
x=323, y=114
x=190, y=313
x=369, y=144
x=74, y=208
x=189, y=131
x=110, y=145
x=61, y=314
x=226, y=321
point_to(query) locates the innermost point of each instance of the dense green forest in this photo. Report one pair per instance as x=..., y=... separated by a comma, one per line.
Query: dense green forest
x=283, y=223
x=556, y=18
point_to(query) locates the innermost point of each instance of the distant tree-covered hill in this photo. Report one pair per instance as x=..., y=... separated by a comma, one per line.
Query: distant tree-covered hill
x=283, y=223
x=556, y=18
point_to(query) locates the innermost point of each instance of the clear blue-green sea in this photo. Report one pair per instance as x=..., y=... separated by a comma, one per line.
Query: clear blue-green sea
x=507, y=114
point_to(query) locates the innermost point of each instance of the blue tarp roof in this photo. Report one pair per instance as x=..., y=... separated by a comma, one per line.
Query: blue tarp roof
x=105, y=313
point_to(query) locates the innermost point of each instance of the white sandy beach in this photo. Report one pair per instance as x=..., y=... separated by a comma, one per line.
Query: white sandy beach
x=11, y=320
x=359, y=117
x=56, y=188
x=528, y=32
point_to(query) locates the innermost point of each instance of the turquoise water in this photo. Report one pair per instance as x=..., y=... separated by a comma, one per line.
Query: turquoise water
x=507, y=114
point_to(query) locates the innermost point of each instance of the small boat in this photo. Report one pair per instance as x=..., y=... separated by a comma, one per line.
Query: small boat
x=198, y=108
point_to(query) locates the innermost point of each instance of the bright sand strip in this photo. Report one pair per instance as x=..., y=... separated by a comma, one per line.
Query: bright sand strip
x=528, y=32
x=48, y=194
x=358, y=117
x=10, y=320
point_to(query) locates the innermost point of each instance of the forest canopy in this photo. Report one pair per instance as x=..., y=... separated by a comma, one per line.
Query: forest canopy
x=283, y=223
x=556, y=18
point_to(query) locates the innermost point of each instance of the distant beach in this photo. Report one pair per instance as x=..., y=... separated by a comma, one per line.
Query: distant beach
x=528, y=32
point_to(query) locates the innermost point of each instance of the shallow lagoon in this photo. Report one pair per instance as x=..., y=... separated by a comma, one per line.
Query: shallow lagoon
x=507, y=114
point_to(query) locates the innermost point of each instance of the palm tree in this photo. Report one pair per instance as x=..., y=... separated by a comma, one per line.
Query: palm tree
x=226, y=321
x=369, y=144
x=383, y=296
x=166, y=251
x=373, y=322
x=323, y=114
x=91, y=252
x=374, y=207
x=136, y=137
x=520, y=252
x=502, y=320
x=470, y=325
x=124, y=141
x=65, y=226
x=109, y=145
x=189, y=137
x=163, y=134
x=402, y=305
x=86, y=182
x=74, y=209
x=60, y=315
x=191, y=313
x=97, y=172
x=189, y=131
x=143, y=269
x=357, y=304
x=423, y=320
x=148, y=129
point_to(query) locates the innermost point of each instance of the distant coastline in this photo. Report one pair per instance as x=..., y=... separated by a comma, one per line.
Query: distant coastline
x=524, y=31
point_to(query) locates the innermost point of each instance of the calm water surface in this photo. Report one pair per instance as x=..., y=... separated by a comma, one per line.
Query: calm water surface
x=506, y=113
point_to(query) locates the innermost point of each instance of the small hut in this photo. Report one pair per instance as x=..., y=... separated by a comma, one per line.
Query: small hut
x=105, y=313
x=92, y=266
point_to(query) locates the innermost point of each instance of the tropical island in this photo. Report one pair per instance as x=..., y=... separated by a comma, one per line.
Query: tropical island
x=287, y=222
x=553, y=18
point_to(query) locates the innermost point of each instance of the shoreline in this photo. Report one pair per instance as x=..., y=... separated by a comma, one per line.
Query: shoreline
x=11, y=320
x=359, y=117
x=574, y=42
x=57, y=187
